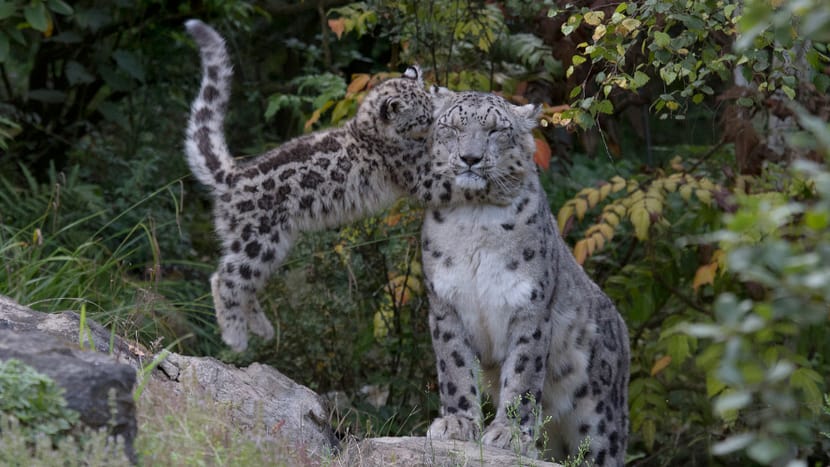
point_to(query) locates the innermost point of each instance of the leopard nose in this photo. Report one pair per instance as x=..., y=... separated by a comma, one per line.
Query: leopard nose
x=471, y=159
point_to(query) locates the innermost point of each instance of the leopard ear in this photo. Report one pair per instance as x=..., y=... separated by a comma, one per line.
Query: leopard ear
x=440, y=98
x=390, y=107
x=529, y=114
x=414, y=72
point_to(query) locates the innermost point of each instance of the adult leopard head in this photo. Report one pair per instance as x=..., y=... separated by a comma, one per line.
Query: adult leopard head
x=484, y=142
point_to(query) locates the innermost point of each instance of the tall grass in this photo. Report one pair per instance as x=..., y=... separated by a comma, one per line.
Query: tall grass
x=62, y=248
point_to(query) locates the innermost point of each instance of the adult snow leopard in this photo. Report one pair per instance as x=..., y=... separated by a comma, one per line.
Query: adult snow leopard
x=509, y=305
x=315, y=181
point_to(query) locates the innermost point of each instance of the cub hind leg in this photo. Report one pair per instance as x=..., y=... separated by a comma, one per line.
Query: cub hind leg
x=235, y=285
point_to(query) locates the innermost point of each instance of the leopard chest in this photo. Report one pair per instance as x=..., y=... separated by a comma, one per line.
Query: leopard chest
x=470, y=259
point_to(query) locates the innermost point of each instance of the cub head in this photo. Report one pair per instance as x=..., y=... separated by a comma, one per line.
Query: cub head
x=483, y=141
x=397, y=109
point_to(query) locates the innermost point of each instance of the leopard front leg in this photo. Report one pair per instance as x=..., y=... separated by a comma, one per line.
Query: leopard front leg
x=519, y=413
x=457, y=376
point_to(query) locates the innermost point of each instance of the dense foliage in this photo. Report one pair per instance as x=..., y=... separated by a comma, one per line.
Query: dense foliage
x=684, y=147
x=34, y=400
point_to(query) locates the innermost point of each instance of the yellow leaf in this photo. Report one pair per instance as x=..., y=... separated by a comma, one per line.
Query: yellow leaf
x=607, y=231
x=383, y=321
x=705, y=275
x=641, y=221
x=670, y=185
x=580, y=251
x=686, y=192
x=594, y=17
x=660, y=365
x=564, y=214
x=630, y=24
x=50, y=27
x=706, y=184
x=580, y=206
x=619, y=209
x=599, y=239
x=677, y=164
x=393, y=219
x=590, y=246
x=705, y=196
x=599, y=32
x=604, y=191
x=634, y=198
x=617, y=183
x=611, y=218
x=316, y=115
x=593, y=197
x=656, y=185
x=719, y=256
x=359, y=82
x=653, y=204
x=311, y=121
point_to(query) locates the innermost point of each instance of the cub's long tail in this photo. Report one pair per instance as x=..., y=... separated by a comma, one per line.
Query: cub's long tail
x=205, y=146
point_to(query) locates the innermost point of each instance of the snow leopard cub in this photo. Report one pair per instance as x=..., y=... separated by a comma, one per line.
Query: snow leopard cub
x=509, y=305
x=315, y=181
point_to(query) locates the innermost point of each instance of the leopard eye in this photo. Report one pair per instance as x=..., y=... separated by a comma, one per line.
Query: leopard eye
x=498, y=133
x=447, y=130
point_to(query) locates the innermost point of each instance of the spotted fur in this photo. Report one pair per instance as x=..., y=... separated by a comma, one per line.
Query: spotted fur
x=509, y=305
x=320, y=180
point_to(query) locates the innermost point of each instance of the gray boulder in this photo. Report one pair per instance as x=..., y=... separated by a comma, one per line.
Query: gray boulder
x=96, y=386
x=420, y=451
x=258, y=394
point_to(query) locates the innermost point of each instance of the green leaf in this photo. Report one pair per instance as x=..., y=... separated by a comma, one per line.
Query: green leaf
x=677, y=346
x=815, y=220
x=50, y=96
x=668, y=76
x=7, y=9
x=77, y=74
x=661, y=39
x=732, y=444
x=640, y=79
x=808, y=381
x=745, y=102
x=128, y=62
x=764, y=451
x=577, y=60
x=37, y=16
x=114, y=114
x=604, y=106
x=731, y=401
x=60, y=7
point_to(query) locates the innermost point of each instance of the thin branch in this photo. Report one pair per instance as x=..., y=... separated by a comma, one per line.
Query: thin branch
x=280, y=8
x=680, y=295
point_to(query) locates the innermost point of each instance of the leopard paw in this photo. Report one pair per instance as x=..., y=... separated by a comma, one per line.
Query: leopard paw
x=505, y=436
x=453, y=427
x=234, y=326
x=260, y=325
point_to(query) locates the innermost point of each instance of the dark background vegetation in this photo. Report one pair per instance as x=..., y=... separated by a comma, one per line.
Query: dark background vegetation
x=685, y=145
